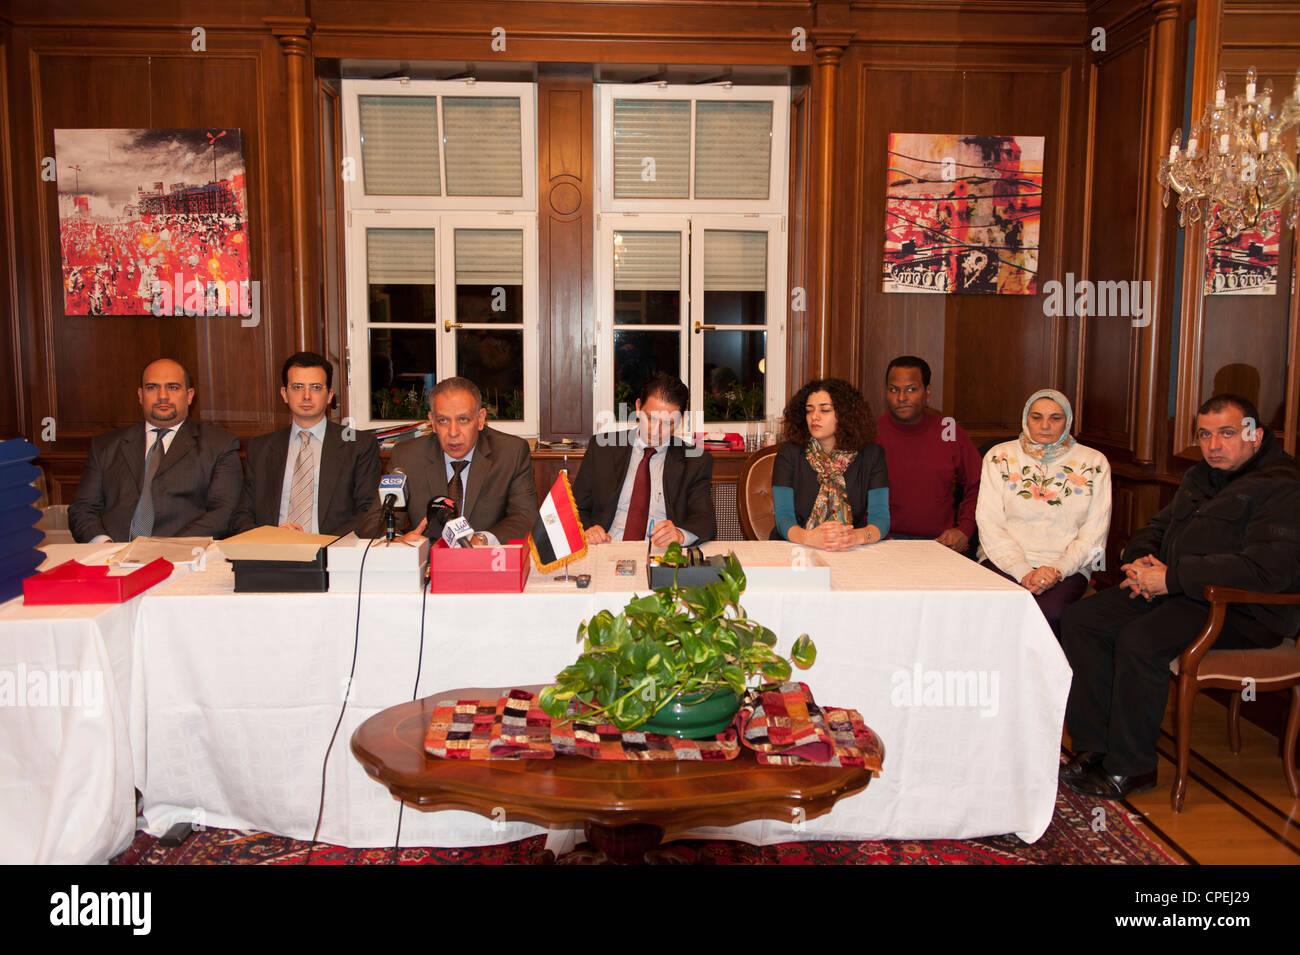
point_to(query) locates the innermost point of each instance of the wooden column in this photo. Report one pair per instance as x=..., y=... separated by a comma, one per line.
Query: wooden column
x=1209, y=18
x=565, y=251
x=294, y=34
x=829, y=51
x=1158, y=244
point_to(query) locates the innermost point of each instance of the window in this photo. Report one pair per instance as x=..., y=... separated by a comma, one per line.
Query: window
x=441, y=247
x=691, y=248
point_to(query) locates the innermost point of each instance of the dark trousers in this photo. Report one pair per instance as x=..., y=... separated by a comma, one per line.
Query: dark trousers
x=1120, y=649
x=1052, y=602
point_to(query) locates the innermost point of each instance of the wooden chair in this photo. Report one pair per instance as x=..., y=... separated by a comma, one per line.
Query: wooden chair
x=754, y=494
x=1200, y=667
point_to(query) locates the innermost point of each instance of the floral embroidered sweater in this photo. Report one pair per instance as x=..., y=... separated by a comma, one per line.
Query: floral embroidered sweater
x=1030, y=515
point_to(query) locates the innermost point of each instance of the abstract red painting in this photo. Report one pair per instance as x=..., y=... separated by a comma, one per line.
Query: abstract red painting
x=962, y=214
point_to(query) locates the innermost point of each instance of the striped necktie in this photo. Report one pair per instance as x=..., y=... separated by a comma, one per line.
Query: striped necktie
x=302, y=492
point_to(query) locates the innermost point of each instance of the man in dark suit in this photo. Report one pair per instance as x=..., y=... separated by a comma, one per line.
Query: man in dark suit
x=644, y=482
x=311, y=476
x=1234, y=521
x=487, y=472
x=190, y=469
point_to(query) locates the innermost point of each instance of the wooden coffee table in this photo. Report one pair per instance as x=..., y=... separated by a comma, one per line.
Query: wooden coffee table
x=624, y=807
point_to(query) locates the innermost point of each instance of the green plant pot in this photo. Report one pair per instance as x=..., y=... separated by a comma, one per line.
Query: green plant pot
x=696, y=715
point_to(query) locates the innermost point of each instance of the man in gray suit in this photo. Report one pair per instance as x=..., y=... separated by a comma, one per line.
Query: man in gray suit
x=189, y=469
x=311, y=476
x=488, y=473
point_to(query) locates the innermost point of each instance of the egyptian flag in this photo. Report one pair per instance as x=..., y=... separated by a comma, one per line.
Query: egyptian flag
x=557, y=536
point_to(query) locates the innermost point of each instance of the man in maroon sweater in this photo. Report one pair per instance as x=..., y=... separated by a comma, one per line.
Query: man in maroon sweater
x=927, y=457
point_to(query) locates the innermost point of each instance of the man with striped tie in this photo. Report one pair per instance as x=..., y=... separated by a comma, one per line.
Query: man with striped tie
x=314, y=475
x=173, y=477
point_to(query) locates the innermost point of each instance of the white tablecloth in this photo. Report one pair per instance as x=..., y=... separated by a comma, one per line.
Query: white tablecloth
x=66, y=776
x=235, y=696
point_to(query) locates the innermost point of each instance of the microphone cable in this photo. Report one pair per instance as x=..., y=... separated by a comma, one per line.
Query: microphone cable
x=356, y=642
x=415, y=690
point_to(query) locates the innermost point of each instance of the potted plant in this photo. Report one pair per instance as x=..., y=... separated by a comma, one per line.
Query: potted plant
x=676, y=661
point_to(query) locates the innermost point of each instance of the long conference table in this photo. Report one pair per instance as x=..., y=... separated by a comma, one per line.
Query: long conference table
x=219, y=707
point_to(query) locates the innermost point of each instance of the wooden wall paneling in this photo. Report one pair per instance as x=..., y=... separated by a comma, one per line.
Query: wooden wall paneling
x=1108, y=362
x=95, y=359
x=701, y=31
x=989, y=382
x=12, y=410
x=825, y=346
x=294, y=35
x=1209, y=16
x=329, y=126
x=1163, y=116
x=1264, y=34
x=895, y=324
x=980, y=377
x=210, y=91
x=566, y=220
x=797, y=331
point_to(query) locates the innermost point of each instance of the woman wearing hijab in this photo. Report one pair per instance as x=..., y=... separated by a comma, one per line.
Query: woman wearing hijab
x=1044, y=507
x=830, y=488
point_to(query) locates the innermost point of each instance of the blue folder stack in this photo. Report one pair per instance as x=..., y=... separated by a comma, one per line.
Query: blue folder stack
x=19, y=535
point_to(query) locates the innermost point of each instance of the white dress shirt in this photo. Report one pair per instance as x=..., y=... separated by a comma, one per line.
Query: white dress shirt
x=658, y=512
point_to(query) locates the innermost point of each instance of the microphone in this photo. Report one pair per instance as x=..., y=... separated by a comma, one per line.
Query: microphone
x=392, y=494
x=457, y=533
x=436, y=514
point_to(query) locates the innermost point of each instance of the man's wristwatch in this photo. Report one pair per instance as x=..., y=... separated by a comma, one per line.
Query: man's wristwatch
x=479, y=540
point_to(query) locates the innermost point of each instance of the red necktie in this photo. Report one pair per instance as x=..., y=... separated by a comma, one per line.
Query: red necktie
x=638, y=507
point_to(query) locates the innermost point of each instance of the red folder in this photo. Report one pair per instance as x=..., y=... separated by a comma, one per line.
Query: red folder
x=75, y=583
x=478, y=570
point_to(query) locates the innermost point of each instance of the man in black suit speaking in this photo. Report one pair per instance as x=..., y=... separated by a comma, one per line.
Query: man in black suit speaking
x=312, y=476
x=189, y=471
x=643, y=482
x=489, y=474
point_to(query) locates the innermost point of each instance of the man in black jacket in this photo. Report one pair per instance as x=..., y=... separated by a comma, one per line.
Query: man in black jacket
x=1234, y=521
x=645, y=483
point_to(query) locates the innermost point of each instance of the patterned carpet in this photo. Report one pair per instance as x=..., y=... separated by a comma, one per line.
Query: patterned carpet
x=1071, y=839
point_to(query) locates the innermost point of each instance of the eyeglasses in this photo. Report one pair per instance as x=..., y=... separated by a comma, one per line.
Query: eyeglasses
x=315, y=388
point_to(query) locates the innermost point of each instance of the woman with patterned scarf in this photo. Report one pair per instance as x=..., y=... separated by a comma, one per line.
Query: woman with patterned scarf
x=830, y=487
x=1044, y=507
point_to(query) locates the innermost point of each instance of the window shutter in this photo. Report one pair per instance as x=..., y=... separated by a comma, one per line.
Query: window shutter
x=400, y=257
x=647, y=261
x=483, y=146
x=399, y=145
x=652, y=143
x=489, y=257
x=735, y=261
x=733, y=149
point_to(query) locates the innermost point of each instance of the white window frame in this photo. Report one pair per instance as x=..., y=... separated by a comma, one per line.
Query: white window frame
x=355, y=186
x=444, y=214
x=691, y=357
x=776, y=202
x=693, y=216
x=358, y=305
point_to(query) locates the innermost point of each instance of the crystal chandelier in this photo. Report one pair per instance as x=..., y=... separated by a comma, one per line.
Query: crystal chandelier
x=1236, y=166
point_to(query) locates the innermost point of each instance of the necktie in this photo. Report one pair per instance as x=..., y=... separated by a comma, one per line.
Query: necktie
x=638, y=506
x=456, y=489
x=302, y=491
x=142, y=519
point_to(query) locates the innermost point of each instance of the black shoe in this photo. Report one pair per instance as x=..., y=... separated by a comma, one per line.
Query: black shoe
x=1100, y=783
x=1081, y=765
